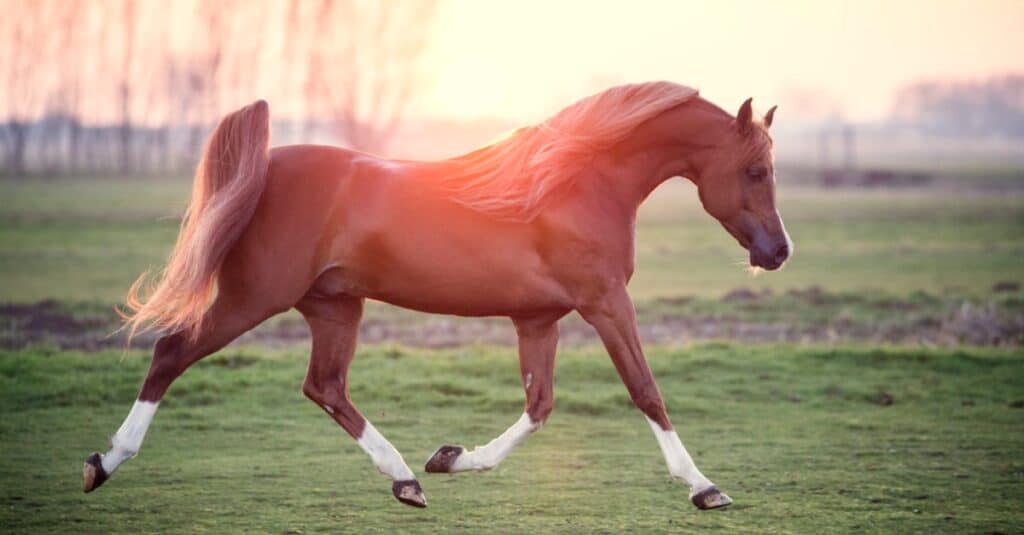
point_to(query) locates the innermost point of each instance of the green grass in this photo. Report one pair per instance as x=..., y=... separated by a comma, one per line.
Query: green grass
x=795, y=435
x=88, y=240
x=898, y=242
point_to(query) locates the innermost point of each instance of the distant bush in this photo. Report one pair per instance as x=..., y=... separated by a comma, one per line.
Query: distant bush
x=988, y=108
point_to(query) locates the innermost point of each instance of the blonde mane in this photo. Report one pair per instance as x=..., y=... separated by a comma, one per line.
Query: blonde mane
x=513, y=179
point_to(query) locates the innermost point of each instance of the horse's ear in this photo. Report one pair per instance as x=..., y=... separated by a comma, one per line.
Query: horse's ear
x=745, y=116
x=768, y=117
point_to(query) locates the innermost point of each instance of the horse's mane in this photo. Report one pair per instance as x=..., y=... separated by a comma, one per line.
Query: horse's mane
x=513, y=179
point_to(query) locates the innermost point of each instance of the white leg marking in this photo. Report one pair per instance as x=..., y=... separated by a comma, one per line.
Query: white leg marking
x=385, y=457
x=487, y=457
x=126, y=442
x=680, y=465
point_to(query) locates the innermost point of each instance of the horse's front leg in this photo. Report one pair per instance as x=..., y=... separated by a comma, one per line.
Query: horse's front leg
x=614, y=318
x=538, y=340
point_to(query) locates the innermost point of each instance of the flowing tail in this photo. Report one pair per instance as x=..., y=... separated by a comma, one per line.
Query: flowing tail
x=228, y=184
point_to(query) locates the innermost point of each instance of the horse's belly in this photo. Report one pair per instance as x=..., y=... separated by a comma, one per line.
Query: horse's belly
x=465, y=285
x=489, y=304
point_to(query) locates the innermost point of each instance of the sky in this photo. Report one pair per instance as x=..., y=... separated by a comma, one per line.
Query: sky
x=519, y=61
x=526, y=59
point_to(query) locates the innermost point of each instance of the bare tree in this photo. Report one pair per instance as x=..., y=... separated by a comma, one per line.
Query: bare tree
x=67, y=94
x=364, y=65
x=242, y=54
x=128, y=23
x=994, y=106
x=352, y=65
x=202, y=73
x=24, y=80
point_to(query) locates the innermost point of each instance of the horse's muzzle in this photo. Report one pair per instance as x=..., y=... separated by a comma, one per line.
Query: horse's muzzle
x=772, y=257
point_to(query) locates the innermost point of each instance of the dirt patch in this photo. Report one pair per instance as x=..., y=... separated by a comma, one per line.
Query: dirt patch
x=1006, y=286
x=740, y=294
x=982, y=325
x=814, y=295
x=947, y=323
x=43, y=316
x=45, y=321
x=675, y=300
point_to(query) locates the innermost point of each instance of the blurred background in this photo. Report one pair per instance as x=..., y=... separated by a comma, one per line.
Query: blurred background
x=131, y=87
x=875, y=384
x=899, y=140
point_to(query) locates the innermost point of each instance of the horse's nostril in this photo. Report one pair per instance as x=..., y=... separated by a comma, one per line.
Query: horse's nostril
x=782, y=253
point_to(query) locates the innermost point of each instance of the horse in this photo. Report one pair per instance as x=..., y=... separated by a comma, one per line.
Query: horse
x=532, y=227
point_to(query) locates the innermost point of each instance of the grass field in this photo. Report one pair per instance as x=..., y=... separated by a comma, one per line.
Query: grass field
x=801, y=435
x=88, y=240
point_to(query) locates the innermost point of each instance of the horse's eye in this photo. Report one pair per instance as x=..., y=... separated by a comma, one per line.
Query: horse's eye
x=758, y=172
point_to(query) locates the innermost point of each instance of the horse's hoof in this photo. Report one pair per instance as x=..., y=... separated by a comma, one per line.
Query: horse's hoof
x=710, y=498
x=442, y=460
x=93, y=474
x=409, y=492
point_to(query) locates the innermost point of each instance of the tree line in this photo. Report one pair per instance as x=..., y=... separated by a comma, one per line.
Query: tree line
x=988, y=108
x=133, y=86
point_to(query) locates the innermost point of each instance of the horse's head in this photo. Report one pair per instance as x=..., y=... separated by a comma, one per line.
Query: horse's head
x=737, y=187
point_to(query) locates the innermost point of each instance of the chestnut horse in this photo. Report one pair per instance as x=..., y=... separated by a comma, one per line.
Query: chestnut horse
x=532, y=227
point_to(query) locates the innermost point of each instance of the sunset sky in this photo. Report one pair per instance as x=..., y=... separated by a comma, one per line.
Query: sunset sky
x=523, y=60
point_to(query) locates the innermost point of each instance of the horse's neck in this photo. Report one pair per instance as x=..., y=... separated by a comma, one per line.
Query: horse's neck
x=677, y=143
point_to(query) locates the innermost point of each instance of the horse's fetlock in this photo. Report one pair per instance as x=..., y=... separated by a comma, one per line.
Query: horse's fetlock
x=541, y=408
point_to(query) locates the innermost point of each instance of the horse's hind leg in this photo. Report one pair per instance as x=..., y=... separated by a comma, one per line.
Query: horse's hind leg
x=538, y=341
x=334, y=323
x=226, y=319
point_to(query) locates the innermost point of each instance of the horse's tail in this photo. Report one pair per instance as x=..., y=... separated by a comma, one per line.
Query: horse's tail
x=229, y=181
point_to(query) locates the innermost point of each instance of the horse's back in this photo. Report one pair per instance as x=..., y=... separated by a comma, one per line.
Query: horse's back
x=381, y=229
x=308, y=164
